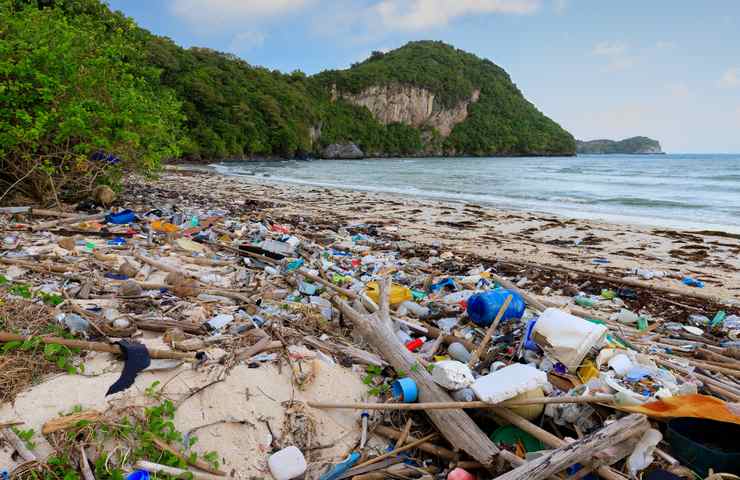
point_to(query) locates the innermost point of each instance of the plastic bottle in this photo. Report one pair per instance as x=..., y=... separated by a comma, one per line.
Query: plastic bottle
x=483, y=307
x=464, y=395
x=415, y=309
x=458, y=351
x=399, y=293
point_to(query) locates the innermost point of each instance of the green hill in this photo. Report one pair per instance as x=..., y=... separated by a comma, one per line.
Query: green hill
x=633, y=145
x=78, y=79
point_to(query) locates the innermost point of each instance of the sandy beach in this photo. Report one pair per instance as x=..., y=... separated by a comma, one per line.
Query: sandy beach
x=523, y=238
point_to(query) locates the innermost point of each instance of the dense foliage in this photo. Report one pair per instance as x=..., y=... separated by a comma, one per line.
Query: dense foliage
x=73, y=83
x=626, y=146
x=81, y=85
x=502, y=122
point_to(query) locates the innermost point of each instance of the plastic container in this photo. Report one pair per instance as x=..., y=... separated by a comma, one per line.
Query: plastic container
x=703, y=444
x=399, y=293
x=121, y=218
x=458, y=352
x=530, y=412
x=164, y=227
x=138, y=475
x=483, y=307
x=287, y=463
x=405, y=389
x=508, y=382
x=565, y=337
x=692, y=282
x=510, y=436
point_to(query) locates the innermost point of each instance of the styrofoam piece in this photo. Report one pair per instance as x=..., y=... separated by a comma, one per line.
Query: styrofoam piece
x=565, y=337
x=287, y=463
x=452, y=375
x=508, y=382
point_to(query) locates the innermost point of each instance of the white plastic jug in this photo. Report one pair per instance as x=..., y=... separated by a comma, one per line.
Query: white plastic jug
x=287, y=463
x=565, y=337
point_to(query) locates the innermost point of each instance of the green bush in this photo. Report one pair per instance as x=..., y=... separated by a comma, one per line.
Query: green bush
x=72, y=85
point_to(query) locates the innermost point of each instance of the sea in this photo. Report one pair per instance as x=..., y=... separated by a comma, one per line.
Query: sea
x=681, y=191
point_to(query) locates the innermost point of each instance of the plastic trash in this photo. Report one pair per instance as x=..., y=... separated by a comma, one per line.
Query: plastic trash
x=74, y=322
x=483, y=307
x=565, y=337
x=405, y=390
x=279, y=248
x=121, y=218
x=703, y=444
x=458, y=352
x=339, y=469
x=626, y=316
x=138, y=475
x=692, y=282
x=464, y=395
x=642, y=456
x=287, y=463
x=399, y=293
x=415, y=309
x=163, y=227
x=508, y=382
x=460, y=474
x=218, y=322
x=452, y=375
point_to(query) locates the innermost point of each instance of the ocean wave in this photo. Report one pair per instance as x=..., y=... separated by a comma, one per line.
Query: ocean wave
x=646, y=202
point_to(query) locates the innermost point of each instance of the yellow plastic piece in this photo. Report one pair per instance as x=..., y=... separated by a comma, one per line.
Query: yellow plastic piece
x=587, y=371
x=399, y=293
x=530, y=412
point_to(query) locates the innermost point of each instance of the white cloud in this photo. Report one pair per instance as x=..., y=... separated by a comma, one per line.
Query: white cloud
x=244, y=41
x=609, y=49
x=215, y=13
x=423, y=14
x=731, y=78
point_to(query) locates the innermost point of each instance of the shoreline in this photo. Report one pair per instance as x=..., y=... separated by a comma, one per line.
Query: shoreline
x=483, y=230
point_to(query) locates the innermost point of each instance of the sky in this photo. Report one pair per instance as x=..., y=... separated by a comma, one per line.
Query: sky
x=669, y=70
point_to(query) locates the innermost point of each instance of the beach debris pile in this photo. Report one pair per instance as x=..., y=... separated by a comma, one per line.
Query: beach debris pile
x=342, y=352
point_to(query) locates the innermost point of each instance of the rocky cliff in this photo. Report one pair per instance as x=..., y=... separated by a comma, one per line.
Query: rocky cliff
x=413, y=106
x=631, y=146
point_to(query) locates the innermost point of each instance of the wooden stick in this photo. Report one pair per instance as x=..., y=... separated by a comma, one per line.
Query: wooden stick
x=20, y=446
x=67, y=221
x=96, y=346
x=87, y=472
x=197, y=463
x=427, y=447
x=455, y=405
x=489, y=333
x=530, y=299
x=404, y=433
x=580, y=450
x=398, y=450
x=39, y=266
x=176, y=472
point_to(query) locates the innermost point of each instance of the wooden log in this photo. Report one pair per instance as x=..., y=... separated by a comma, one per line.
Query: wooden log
x=455, y=425
x=579, y=451
x=356, y=354
x=455, y=405
x=19, y=445
x=152, y=467
x=96, y=346
x=67, y=221
x=548, y=438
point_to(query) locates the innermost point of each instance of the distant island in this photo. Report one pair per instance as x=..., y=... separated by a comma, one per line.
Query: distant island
x=632, y=146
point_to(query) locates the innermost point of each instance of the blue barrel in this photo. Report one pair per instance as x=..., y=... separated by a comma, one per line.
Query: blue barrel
x=483, y=307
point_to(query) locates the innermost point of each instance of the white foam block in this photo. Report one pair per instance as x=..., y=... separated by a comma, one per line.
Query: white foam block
x=508, y=382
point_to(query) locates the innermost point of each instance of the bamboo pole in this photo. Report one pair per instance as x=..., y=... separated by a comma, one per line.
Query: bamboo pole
x=606, y=399
x=96, y=346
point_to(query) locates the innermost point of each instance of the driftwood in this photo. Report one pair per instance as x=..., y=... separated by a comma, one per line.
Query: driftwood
x=356, y=354
x=96, y=346
x=580, y=450
x=455, y=425
x=40, y=266
x=548, y=438
x=398, y=450
x=455, y=405
x=436, y=450
x=67, y=221
x=70, y=421
x=19, y=446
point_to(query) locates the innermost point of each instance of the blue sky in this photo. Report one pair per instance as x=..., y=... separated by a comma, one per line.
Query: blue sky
x=602, y=69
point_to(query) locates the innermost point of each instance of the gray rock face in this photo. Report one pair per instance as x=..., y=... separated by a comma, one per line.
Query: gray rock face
x=346, y=151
